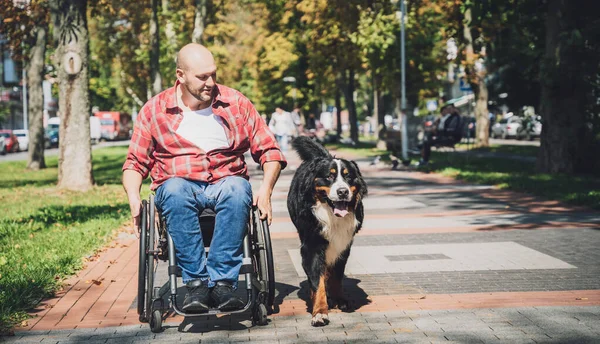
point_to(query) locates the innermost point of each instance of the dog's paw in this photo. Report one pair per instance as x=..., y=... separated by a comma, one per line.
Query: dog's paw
x=342, y=305
x=320, y=319
x=339, y=303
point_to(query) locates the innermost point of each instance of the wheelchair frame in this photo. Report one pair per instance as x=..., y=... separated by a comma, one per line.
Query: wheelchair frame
x=156, y=244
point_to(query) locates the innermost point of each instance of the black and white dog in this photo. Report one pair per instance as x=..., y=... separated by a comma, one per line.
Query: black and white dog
x=325, y=205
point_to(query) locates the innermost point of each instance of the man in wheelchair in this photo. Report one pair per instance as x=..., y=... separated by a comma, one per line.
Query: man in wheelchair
x=191, y=139
x=446, y=131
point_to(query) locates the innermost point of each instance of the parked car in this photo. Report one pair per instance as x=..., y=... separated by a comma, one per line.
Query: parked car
x=512, y=127
x=23, y=138
x=506, y=127
x=115, y=125
x=95, y=129
x=51, y=133
x=10, y=140
x=530, y=128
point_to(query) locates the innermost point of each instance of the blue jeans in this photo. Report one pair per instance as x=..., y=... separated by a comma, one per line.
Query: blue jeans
x=180, y=201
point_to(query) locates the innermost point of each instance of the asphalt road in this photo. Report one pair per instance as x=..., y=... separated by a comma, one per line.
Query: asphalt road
x=54, y=151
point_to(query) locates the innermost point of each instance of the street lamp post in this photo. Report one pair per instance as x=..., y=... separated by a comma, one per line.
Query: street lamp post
x=292, y=80
x=403, y=128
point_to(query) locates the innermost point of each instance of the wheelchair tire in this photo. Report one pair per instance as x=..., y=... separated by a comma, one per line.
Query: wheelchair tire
x=150, y=264
x=265, y=260
x=156, y=321
x=259, y=316
x=141, y=296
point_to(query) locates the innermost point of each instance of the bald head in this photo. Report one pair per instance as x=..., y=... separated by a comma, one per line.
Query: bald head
x=194, y=54
x=197, y=74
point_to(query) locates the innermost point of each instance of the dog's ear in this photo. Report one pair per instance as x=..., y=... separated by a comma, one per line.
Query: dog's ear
x=307, y=182
x=359, y=179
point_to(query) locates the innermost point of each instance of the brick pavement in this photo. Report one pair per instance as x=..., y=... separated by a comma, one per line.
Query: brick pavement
x=437, y=280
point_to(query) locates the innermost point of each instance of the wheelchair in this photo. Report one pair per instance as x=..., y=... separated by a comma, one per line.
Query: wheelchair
x=156, y=245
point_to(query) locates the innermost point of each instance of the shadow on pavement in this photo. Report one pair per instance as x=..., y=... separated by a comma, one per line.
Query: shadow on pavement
x=355, y=295
x=282, y=291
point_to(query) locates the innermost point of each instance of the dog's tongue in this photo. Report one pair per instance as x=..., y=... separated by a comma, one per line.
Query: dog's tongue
x=340, y=209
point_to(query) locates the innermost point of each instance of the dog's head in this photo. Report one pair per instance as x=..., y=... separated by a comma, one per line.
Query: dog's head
x=339, y=183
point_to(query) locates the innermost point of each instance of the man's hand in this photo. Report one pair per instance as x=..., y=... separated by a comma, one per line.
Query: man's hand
x=262, y=199
x=135, y=205
x=132, y=183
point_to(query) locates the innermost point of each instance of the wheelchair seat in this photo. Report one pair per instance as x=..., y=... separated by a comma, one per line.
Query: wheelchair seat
x=207, y=225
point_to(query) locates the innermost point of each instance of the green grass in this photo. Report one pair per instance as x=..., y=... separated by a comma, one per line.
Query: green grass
x=508, y=149
x=518, y=176
x=363, y=149
x=46, y=233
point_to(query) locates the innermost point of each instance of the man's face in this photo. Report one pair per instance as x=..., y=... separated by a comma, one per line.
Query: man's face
x=199, y=80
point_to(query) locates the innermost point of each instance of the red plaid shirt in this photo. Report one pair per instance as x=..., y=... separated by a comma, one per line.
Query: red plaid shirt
x=157, y=150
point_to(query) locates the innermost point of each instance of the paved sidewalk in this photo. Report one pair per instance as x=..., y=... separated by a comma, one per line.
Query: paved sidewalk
x=437, y=261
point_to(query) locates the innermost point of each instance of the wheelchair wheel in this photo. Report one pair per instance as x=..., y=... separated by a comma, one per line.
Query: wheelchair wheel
x=156, y=321
x=264, y=260
x=259, y=315
x=150, y=261
x=141, y=296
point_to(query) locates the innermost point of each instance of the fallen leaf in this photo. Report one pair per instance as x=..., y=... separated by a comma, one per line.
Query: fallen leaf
x=581, y=298
x=98, y=281
x=113, y=281
x=24, y=323
x=112, y=262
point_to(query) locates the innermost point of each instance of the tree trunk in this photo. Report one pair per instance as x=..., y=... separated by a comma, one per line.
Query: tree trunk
x=476, y=74
x=482, y=123
x=563, y=96
x=338, y=114
x=170, y=34
x=35, y=76
x=349, y=97
x=378, y=115
x=199, y=20
x=71, y=33
x=155, y=51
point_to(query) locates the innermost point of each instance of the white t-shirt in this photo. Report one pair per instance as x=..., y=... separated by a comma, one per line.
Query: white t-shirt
x=203, y=129
x=281, y=123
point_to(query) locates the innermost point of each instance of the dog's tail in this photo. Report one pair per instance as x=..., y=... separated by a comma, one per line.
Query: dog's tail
x=308, y=149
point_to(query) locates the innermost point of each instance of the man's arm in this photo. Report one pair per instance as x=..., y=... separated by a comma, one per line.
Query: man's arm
x=132, y=183
x=262, y=198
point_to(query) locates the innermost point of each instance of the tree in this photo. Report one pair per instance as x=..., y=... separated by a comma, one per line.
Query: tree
x=71, y=58
x=26, y=26
x=326, y=29
x=156, y=79
x=376, y=38
x=570, y=92
x=199, y=20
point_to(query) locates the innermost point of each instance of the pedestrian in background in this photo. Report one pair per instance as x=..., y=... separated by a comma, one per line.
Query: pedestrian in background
x=282, y=125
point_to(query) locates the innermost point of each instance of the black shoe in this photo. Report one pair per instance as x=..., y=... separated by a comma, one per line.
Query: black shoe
x=223, y=297
x=197, y=298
